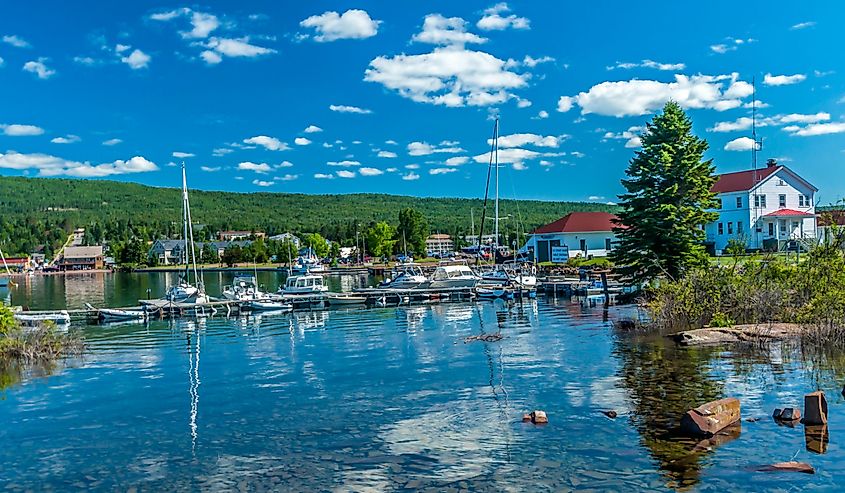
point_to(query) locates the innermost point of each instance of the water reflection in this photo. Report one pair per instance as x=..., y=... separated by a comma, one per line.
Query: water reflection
x=663, y=383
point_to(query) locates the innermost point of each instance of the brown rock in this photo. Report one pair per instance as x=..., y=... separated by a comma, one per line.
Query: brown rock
x=815, y=408
x=610, y=414
x=526, y=418
x=777, y=412
x=539, y=417
x=790, y=414
x=790, y=466
x=707, y=419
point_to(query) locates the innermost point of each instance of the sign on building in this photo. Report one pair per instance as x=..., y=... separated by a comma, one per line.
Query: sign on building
x=560, y=254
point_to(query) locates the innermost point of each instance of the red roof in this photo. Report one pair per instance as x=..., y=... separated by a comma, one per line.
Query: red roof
x=580, y=222
x=789, y=213
x=742, y=180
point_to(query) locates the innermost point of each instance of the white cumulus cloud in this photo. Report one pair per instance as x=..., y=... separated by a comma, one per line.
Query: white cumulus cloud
x=387, y=154
x=112, y=142
x=346, y=163
x=648, y=64
x=740, y=144
x=39, y=68
x=340, y=108
x=19, y=130
x=262, y=183
x=639, y=97
x=312, y=129
x=48, y=165
x=365, y=171
x=352, y=24
x=181, y=155
x=346, y=174
x=137, y=59
x=410, y=176
x=441, y=171
x=301, y=141
x=269, y=143
x=493, y=19
x=323, y=176
x=15, y=41
x=782, y=80
x=519, y=140
x=68, y=139
x=448, y=31
x=424, y=148
x=262, y=168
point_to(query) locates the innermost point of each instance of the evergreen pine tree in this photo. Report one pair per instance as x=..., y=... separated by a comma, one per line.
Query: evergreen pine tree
x=667, y=200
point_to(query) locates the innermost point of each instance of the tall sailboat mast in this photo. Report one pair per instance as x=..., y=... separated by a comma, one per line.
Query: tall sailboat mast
x=496, y=164
x=185, y=223
x=189, y=232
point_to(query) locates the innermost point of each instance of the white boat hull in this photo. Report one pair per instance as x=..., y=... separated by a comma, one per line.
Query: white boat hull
x=265, y=306
x=347, y=300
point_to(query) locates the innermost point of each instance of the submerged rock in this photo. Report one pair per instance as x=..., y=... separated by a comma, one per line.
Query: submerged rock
x=791, y=466
x=787, y=414
x=610, y=414
x=737, y=333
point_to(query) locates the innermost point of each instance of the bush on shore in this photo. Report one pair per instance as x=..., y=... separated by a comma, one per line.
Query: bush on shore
x=761, y=290
x=40, y=343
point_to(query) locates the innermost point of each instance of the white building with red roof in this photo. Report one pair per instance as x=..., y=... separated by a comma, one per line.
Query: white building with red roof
x=763, y=208
x=577, y=234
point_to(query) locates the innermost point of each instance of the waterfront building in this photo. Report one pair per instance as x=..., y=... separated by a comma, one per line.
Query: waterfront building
x=286, y=237
x=575, y=234
x=765, y=209
x=239, y=235
x=172, y=252
x=82, y=258
x=439, y=244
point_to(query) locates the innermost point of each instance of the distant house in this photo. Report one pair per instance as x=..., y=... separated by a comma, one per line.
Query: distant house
x=239, y=235
x=16, y=263
x=82, y=258
x=167, y=252
x=580, y=233
x=286, y=237
x=439, y=244
x=763, y=208
x=172, y=252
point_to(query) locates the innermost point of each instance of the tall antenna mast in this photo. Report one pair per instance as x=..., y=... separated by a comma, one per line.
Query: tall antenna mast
x=756, y=146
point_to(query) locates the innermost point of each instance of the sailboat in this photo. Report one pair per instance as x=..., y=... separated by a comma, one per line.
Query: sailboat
x=184, y=291
x=5, y=281
x=509, y=273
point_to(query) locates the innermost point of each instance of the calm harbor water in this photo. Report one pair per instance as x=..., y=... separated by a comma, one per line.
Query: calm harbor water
x=392, y=398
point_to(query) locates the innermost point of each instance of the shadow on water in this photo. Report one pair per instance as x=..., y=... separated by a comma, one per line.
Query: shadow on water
x=663, y=382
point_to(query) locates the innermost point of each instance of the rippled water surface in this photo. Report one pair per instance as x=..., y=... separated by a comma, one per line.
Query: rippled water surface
x=393, y=398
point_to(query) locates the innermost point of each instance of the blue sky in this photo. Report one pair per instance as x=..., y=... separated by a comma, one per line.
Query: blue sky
x=397, y=97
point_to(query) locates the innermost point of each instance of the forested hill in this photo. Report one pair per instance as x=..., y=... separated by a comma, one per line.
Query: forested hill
x=121, y=209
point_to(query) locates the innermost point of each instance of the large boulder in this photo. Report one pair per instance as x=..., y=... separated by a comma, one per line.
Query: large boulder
x=708, y=419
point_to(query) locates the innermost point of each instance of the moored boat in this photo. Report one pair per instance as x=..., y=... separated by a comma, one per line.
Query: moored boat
x=264, y=305
x=32, y=319
x=345, y=299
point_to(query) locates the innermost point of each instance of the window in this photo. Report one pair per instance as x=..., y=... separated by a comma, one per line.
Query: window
x=607, y=244
x=584, y=246
x=721, y=229
x=760, y=201
x=739, y=202
x=771, y=229
x=804, y=200
x=782, y=200
x=739, y=227
x=795, y=225
x=730, y=227
x=781, y=183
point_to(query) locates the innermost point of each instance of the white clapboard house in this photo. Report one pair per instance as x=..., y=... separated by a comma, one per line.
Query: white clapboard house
x=766, y=209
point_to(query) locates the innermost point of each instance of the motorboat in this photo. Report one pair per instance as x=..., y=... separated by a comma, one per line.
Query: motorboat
x=406, y=276
x=345, y=299
x=243, y=288
x=33, y=319
x=453, y=276
x=304, y=284
x=266, y=305
x=117, y=315
x=493, y=292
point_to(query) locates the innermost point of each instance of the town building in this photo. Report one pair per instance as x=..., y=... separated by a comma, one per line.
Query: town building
x=576, y=234
x=286, y=237
x=82, y=258
x=439, y=244
x=239, y=235
x=172, y=252
x=764, y=209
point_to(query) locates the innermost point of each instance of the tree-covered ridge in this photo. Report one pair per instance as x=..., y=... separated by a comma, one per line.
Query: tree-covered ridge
x=33, y=209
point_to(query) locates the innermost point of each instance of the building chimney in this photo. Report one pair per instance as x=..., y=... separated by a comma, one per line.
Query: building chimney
x=771, y=163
